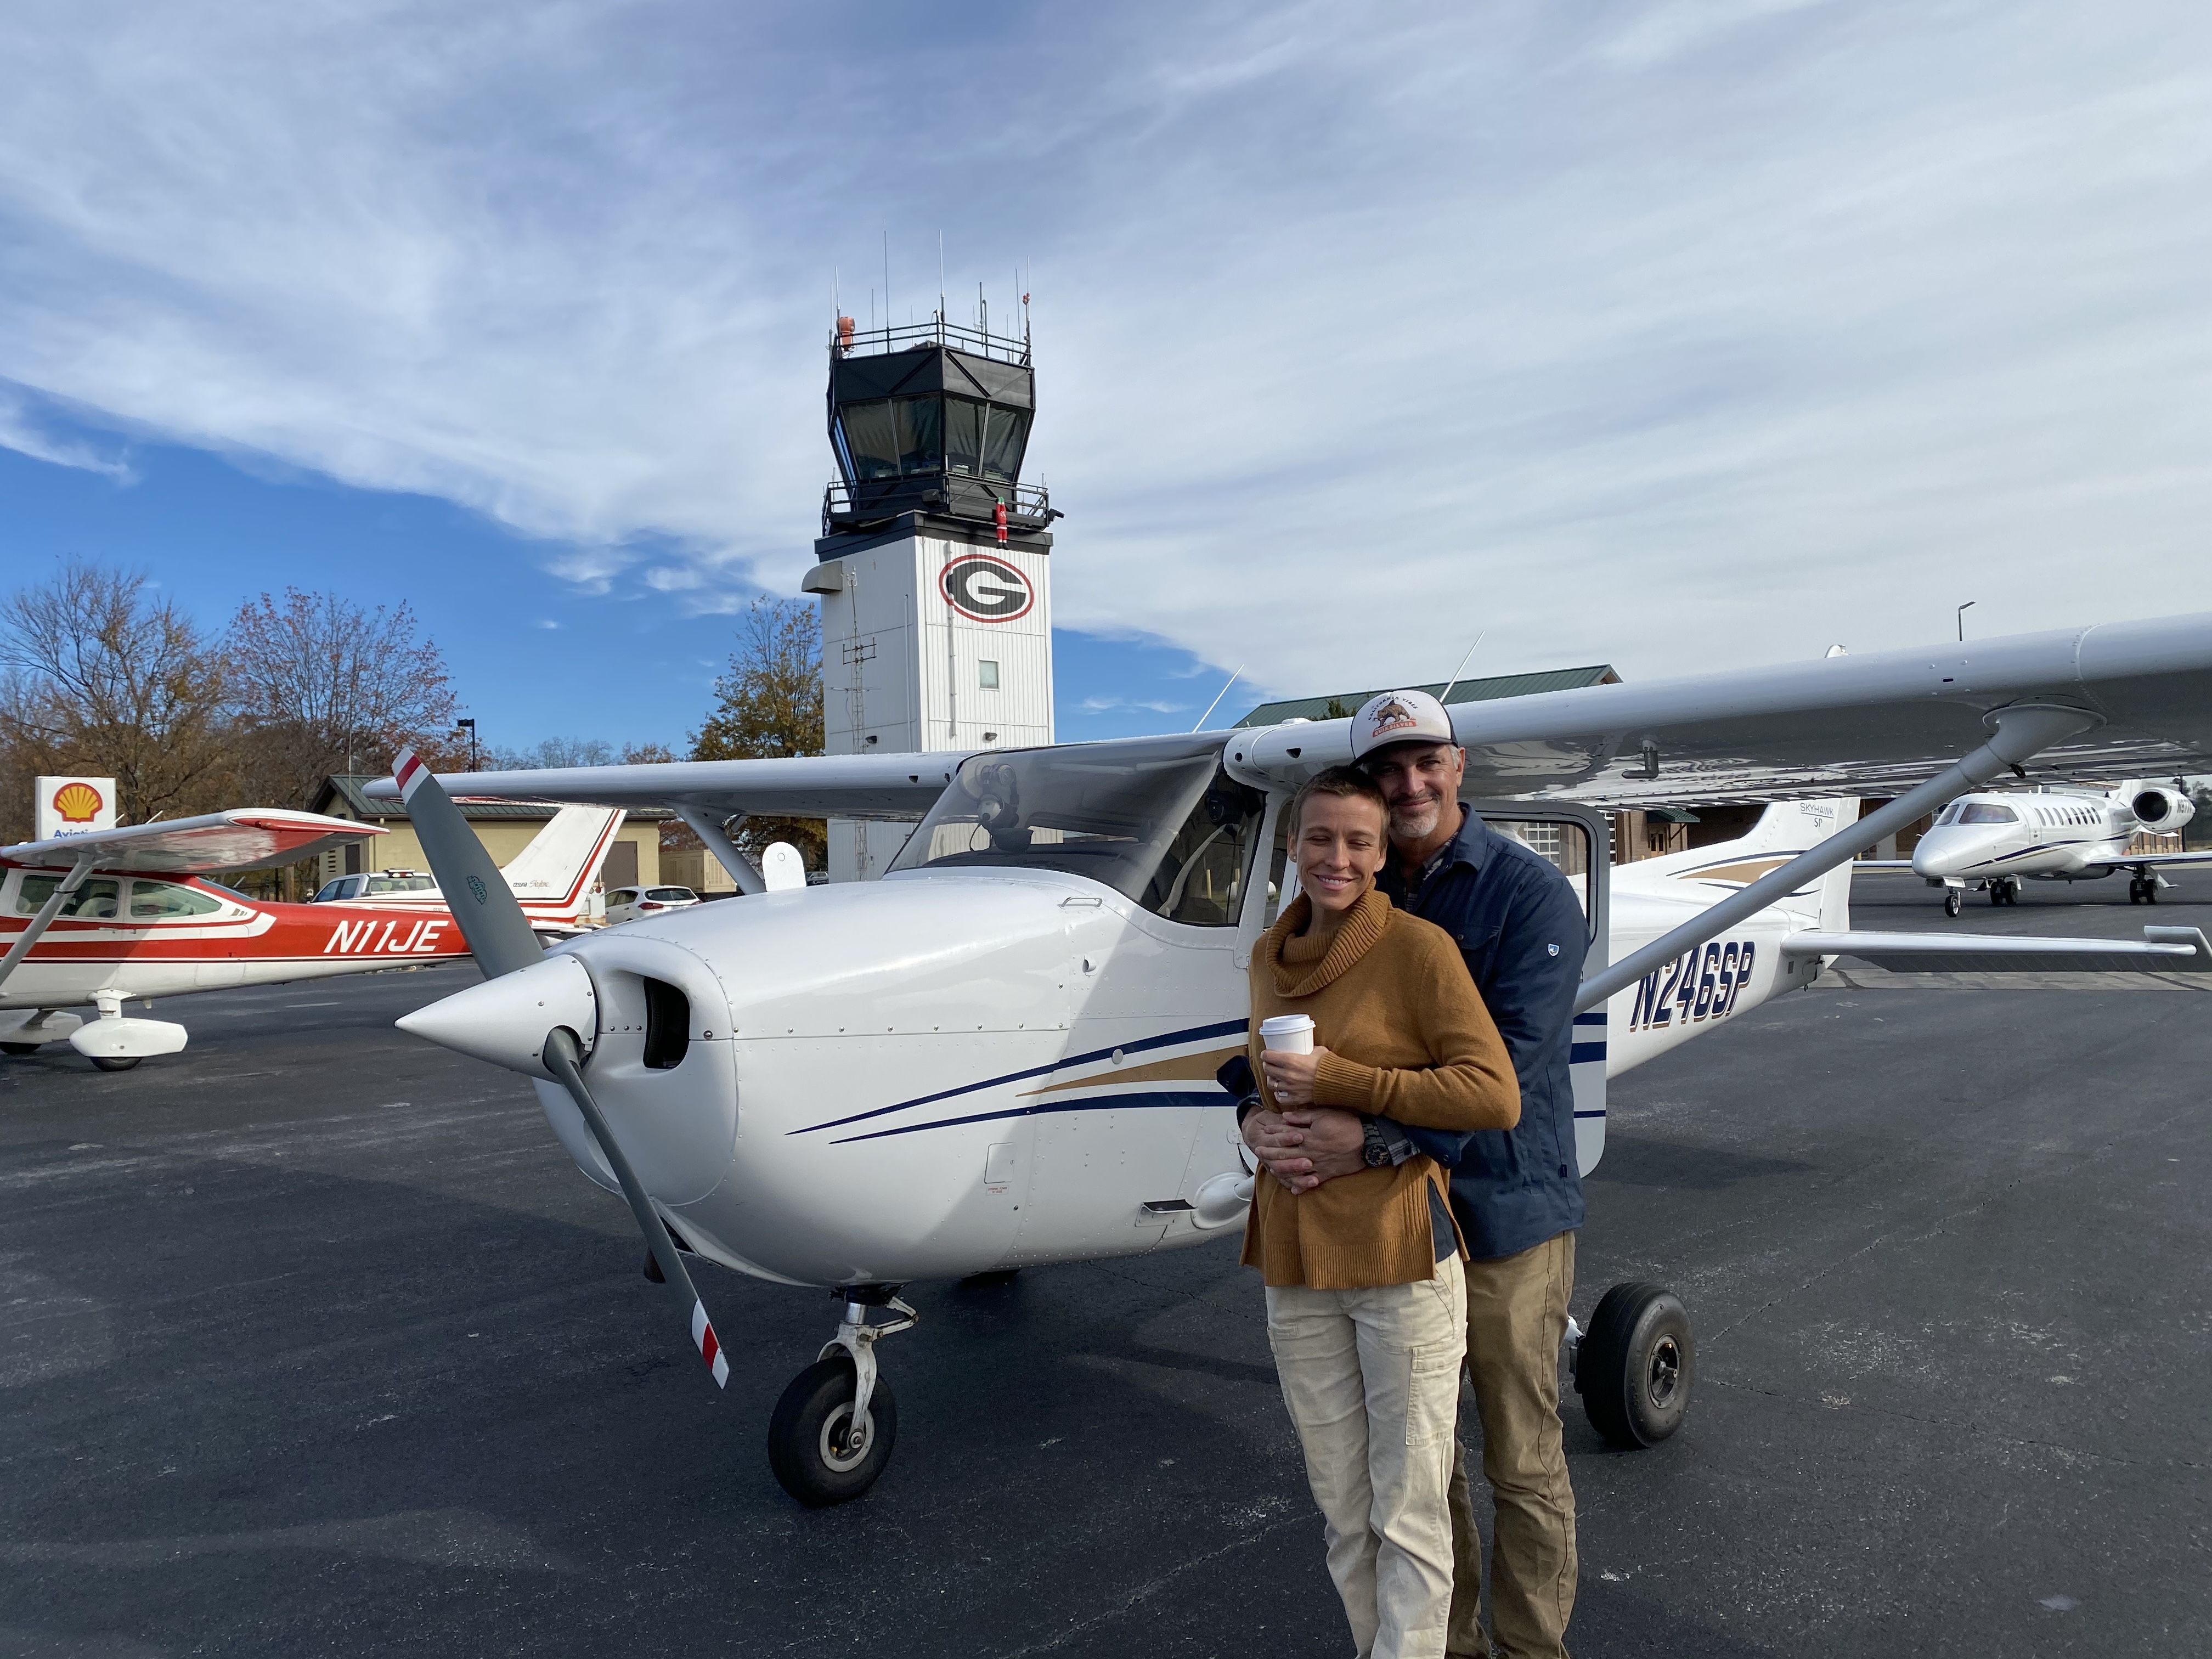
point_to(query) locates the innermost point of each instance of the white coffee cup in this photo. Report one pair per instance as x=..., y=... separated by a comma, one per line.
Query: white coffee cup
x=1288, y=1033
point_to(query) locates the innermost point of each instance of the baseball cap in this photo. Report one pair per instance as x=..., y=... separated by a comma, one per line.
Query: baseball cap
x=1391, y=717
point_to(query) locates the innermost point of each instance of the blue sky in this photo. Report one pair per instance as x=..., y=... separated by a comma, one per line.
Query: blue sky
x=1681, y=334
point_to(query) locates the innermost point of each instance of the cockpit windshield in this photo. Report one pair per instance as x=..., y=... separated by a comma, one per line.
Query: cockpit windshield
x=1987, y=812
x=1160, y=822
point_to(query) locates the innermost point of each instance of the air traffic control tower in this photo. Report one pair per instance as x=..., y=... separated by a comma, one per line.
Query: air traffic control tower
x=933, y=565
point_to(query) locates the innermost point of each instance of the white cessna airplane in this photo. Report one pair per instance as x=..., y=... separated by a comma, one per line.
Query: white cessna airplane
x=1998, y=840
x=1002, y=1053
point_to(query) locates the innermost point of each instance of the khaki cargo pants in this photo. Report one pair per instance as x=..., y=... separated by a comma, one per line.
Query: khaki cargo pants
x=1517, y=1317
x=1371, y=1380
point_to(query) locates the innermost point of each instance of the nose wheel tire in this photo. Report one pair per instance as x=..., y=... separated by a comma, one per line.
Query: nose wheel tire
x=818, y=1457
x=1952, y=903
x=116, y=1063
x=1636, y=1366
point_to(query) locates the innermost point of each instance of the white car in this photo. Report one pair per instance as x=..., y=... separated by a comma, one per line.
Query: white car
x=625, y=902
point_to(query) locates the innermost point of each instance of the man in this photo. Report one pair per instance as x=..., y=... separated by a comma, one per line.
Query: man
x=1516, y=1193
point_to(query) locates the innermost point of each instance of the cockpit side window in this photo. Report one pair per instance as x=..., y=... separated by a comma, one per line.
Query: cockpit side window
x=1988, y=811
x=1165, y=825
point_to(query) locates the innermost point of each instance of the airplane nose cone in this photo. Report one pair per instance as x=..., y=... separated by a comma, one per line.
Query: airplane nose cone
x=507, y=1020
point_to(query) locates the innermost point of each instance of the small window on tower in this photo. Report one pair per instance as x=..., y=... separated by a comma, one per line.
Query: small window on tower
x=987, y=673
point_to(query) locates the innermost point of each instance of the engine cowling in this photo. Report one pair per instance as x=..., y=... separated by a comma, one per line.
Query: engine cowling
x=2160, y=808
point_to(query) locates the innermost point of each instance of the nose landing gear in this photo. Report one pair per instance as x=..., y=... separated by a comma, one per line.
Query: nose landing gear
x=1952, y=902
x=833, y=1429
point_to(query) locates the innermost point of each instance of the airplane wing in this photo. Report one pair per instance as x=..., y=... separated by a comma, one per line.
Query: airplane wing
x=2128, y=860
x=250, y=838
x=2163, y=951
x=1881, y=864
x=813, y=787
x=1871, y=725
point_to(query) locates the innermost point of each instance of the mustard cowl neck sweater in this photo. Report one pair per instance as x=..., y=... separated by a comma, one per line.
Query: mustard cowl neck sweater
x=1408, y=1038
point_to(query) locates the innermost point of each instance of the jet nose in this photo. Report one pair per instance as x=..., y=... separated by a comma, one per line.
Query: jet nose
x=507, y=1020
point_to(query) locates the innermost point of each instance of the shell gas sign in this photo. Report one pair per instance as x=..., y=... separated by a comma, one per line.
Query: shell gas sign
x=75, y=806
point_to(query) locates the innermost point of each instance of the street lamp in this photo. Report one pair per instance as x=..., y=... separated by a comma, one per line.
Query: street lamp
x=470, y=727
x=1963, y=609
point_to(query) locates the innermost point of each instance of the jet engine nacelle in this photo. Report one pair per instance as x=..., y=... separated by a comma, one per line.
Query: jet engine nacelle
x=2159, y=807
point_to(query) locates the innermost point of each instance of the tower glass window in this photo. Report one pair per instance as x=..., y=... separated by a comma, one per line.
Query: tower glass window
x=1002, y=452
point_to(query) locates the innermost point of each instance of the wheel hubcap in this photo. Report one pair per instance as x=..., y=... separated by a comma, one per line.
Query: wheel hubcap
x=1665, y=1374
x=843, y=1444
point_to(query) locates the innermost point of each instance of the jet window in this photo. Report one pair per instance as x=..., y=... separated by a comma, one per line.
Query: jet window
x=164, y=901
x=1985, y=812
x=96, y=901
x=1165, y=826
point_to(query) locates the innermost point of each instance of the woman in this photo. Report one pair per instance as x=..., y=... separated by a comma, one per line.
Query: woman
x=1366, y=1305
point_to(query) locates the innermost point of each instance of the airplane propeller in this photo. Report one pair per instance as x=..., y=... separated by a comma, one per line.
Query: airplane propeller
x=499, y=937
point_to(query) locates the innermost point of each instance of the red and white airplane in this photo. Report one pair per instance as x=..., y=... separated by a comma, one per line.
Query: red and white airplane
x=125, y=915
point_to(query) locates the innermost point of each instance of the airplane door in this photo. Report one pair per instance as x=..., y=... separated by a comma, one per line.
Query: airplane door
x=1577, y=840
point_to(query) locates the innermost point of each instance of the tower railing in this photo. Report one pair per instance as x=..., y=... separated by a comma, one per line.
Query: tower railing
x=947, y=495
x=874, y=342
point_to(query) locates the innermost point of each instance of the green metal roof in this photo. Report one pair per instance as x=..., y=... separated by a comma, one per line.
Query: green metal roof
x=1484, y=691
x=342, y=794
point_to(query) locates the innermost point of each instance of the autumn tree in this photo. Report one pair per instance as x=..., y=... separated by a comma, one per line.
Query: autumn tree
x=101, y=674
x=321, y=684
x=768, y=706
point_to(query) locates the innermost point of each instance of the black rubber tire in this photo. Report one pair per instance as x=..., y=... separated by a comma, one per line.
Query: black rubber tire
x=18, y=1047
x=124, y=1063
x=806, y=1428
x=1952, y=903
x=2150, y=892
x=1636, y=1366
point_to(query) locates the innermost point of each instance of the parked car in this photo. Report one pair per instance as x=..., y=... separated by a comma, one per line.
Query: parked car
x=626, y=903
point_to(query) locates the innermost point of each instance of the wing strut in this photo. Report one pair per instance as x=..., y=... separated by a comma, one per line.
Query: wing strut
x=47, y=912
x=2021, y=731
x=716, y=836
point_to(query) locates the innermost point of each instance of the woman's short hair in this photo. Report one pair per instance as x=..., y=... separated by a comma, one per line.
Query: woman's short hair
x=1338, y=780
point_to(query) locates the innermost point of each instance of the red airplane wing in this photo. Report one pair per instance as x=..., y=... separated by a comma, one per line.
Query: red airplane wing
x=246, y=838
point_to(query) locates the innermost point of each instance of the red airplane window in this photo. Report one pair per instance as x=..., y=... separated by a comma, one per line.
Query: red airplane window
x=162, y=900
x=96, y=901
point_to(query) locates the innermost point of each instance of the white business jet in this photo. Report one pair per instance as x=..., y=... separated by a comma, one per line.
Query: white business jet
x=1997, y=841
x=1002, y=1053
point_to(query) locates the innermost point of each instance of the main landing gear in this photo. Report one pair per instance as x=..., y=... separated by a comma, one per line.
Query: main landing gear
x=1636, y=1366
x=833, y=1429
x=2004, y=890
x=2142, y=889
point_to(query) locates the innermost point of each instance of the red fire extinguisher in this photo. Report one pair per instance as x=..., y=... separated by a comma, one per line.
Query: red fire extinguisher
x=999, y=517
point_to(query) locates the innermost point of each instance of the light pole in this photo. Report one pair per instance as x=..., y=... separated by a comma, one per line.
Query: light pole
x=470, y=727
x=1963, y=609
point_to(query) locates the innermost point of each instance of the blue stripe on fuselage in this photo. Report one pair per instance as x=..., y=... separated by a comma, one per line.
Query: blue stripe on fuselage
x=1227, y=1028
x=1087, y=1103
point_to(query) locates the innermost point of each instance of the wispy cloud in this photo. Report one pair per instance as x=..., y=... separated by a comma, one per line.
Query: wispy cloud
x=22, y=431
x=1106, y=705
x=1678, y=333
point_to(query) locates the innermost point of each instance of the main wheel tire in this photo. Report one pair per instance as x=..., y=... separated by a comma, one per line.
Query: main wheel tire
x=1952, y=902
x=116, y=1062
x=810, y=1443
x=18, y=1047
x=1636, y=1366
x=2150, y=892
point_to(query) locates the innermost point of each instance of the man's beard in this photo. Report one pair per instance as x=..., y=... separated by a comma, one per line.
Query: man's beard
x=1414, y=823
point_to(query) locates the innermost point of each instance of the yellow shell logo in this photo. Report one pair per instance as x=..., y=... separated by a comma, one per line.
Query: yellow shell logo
x=77, y=803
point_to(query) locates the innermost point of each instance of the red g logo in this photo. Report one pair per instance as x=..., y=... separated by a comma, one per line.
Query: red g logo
x=987, y=590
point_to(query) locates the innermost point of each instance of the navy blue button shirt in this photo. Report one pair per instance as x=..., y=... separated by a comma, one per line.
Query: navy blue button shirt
x=1519, y=926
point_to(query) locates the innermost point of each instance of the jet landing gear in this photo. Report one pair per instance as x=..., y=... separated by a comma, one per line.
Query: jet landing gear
x=1954, y=901
x=2142, y=889
x=2004, y=890
x=1636, y=1366
x=833, y=1429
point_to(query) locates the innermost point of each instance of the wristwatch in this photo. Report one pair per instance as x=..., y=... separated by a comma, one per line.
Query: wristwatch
x=1373, y=1151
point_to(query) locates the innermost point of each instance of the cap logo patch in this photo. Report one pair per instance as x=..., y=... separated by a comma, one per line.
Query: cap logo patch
x=1394, y=716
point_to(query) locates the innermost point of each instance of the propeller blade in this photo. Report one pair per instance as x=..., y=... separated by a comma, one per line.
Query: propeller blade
x=560, y=1056
x=498, y=933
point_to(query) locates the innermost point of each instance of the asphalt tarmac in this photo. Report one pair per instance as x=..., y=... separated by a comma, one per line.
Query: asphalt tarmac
x=312, y=1341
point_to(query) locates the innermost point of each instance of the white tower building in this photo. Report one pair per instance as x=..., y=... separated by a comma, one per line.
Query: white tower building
x=933, y=564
